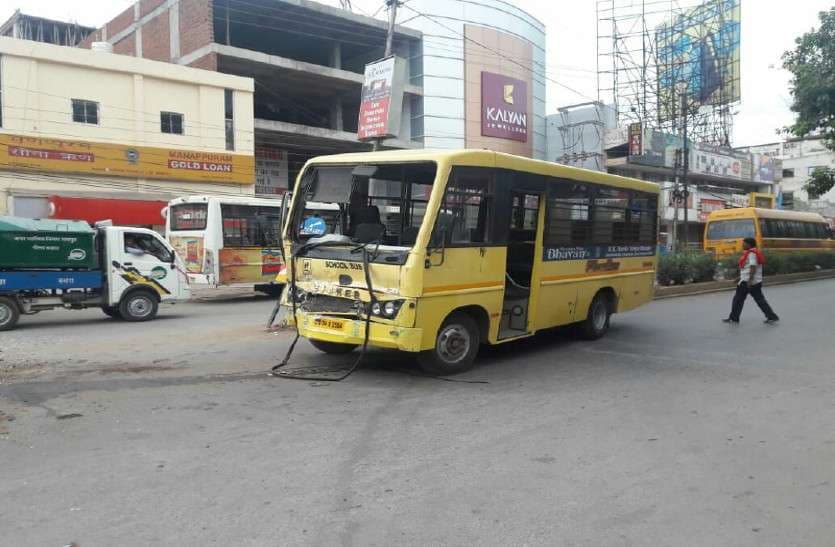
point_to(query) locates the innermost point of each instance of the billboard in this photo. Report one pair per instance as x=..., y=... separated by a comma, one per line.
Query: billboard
x=504, y=107
x=94, y=158
x=658, y=149
x=382, y=99
x=698, y=54
x=721, y=162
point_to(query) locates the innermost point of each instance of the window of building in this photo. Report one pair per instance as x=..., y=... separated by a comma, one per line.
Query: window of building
x=229, y=114
x=171, y=122
x=788, y=173
x=142, y=244
x=85, y=111
x=465, y=215
x=251, y=226
x=811, y=170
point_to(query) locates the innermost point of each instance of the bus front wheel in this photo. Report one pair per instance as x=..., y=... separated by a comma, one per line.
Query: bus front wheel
x=333, y=348
x=456, y=346
x=9, y=313
x=597, y=323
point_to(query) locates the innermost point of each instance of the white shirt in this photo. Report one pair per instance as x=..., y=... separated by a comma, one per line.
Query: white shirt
x=745, y=273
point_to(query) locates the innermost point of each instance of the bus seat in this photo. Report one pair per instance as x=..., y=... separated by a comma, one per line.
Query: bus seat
x=367, y=233
x=409, y=235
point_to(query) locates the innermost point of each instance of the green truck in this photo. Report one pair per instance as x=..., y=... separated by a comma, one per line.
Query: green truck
x=48, y=264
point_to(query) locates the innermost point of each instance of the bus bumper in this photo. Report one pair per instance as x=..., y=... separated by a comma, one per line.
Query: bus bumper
x=352, y=331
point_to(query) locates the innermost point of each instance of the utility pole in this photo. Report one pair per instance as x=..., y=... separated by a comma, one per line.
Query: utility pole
x=392, y=7
x=685, y=163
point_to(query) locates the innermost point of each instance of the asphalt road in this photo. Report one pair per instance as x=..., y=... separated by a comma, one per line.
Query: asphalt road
x=674, y=430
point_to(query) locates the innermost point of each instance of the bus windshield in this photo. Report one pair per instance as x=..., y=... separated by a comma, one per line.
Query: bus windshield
x=189, y=216
x=383, y=204
x=731, y=229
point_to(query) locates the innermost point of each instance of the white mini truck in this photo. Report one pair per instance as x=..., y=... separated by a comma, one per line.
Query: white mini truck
x=48, y=264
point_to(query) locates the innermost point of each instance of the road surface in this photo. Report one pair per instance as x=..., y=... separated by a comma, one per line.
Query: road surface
x=674, y=430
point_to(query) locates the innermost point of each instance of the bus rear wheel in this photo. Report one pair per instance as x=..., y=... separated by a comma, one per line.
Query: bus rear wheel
x=456, y=346
x=596, y=324
x=333, y=348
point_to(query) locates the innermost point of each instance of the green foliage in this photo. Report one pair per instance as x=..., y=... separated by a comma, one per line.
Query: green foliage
x=820, y=182
x=812, y=64
x=682, y=268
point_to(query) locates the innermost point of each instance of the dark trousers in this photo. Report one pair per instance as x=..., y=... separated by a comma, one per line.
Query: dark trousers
x=756, y=291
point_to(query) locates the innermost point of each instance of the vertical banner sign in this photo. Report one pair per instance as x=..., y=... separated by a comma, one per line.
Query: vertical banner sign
x=382, y=99
x=271, y=171
x=504, y=107
x=636, y=139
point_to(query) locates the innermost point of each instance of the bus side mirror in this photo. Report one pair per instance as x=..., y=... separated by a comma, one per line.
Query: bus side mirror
x=434, y=245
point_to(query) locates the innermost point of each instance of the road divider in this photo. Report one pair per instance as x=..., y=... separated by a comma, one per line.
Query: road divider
x=692, y=289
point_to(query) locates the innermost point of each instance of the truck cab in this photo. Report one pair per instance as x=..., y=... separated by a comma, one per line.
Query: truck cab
x=142, y=269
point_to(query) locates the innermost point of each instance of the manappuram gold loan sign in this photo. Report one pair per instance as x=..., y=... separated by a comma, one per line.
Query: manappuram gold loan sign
x=93, y=158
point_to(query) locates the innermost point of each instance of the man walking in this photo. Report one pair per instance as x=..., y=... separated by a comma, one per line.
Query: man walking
x=751, y=282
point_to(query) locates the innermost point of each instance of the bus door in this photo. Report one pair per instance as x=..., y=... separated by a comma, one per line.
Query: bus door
x=465, y=265
x=520, y=264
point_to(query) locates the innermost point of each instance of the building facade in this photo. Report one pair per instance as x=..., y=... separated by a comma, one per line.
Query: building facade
x=40, y=29
x=92, y=135
x=307, y=61
x=717, y=178
x=577, y=134
x=482, y=71
x=800, y=158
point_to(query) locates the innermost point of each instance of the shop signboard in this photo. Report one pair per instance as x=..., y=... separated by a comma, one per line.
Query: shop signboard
x=707, y=206
x=382, y=99
x=636, y=139
x=96, y=158
x=504, y=107
x=271, y=171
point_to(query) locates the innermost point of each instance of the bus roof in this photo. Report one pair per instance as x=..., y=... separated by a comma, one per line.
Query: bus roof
x=235, y=200
x=490, y=158
x=780, y=214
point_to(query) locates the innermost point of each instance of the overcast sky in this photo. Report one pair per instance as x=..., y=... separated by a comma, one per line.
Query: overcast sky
x=769, y=27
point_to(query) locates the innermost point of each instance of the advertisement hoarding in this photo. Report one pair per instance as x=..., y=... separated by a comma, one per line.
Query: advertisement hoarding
x=382, y=99
x=504, y=107
x=636, y=139
x=93, y=158
x=700, y=51
x=658, y=149
x=721, y=162
x=272, y=175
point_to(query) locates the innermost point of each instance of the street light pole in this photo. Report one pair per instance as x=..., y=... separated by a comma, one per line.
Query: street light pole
x=392, y=7
x=685, y=163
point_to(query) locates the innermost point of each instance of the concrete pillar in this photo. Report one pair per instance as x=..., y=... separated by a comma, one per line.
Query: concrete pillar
x=336, y=114
x=336, y=55
x=174, y=31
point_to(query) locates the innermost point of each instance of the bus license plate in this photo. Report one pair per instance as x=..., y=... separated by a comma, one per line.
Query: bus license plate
x=330, y=324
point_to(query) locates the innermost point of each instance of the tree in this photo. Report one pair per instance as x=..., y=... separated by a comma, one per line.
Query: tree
x=820, y=182
x=812, y=64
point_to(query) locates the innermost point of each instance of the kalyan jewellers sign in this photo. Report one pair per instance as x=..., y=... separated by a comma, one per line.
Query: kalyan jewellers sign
x=504, y=107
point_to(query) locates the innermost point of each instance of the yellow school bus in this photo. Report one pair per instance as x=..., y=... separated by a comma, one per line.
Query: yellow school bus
x=438, y=252
x=772, y=228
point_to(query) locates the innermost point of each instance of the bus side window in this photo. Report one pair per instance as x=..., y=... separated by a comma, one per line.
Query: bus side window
x=465, y=214
x=567, y=221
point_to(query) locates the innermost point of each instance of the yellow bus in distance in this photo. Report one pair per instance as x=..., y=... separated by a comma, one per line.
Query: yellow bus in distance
x=772, y=228
x=438, y=252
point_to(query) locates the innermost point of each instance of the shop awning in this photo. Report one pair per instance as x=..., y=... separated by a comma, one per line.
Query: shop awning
x=124, y=212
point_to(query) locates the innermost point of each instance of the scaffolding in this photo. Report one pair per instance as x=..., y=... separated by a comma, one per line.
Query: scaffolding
x=635, y=66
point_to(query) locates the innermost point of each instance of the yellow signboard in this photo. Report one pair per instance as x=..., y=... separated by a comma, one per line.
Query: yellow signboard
x=93, y=158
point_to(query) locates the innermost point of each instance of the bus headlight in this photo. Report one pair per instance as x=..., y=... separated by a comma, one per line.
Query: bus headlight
x=388, y=310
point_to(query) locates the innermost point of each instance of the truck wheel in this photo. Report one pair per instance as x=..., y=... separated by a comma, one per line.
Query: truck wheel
x=9, y=313
x=112, y=311
x=138, y=306
x=334, y=348
x=456, y=346
x=597, y=323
